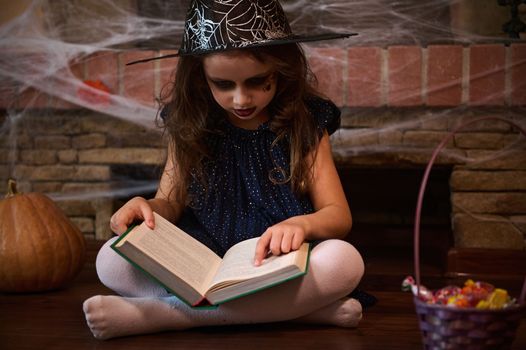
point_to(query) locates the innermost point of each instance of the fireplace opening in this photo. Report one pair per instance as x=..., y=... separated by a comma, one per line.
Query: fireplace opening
x=383, y=203
x=388, y=196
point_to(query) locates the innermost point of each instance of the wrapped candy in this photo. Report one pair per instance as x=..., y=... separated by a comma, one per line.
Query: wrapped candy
x=477, y=291
x=409, y=284
x=473, y=294
x=442, y=296
x=498, y=299
x=460, y=300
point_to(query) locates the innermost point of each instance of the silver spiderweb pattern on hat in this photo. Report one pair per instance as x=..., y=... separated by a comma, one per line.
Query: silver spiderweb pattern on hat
x=218, y=25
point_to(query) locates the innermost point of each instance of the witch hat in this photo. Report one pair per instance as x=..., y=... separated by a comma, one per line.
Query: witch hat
x=218, y=25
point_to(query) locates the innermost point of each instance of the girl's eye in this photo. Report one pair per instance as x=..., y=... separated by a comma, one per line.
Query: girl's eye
x=257, y=81
x=223, y=84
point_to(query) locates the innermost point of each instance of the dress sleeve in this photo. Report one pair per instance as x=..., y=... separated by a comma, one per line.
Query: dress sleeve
x=325, y=113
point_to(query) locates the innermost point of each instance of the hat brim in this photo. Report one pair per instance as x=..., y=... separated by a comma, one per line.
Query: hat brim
x=280, y=41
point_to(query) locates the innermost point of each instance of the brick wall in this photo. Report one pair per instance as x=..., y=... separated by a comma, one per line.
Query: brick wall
x=398, y=102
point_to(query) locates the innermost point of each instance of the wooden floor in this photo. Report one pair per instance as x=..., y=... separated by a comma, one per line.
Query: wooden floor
x=54, y=320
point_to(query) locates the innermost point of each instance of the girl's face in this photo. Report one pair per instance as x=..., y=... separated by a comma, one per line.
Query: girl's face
x=242, y=86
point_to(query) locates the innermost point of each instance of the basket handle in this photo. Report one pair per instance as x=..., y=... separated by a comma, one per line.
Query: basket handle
x=416, y=244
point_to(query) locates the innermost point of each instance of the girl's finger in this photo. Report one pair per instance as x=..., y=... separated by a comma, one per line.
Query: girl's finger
x=146, y=213
x=117, y=225
x=286, y=243
x=262, y=248
x=297, y=241
x=275, y=242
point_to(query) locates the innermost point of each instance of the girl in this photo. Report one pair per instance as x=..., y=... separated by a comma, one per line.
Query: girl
x=249, y=155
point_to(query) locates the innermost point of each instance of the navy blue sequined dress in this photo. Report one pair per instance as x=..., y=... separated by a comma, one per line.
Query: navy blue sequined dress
x=240, y=201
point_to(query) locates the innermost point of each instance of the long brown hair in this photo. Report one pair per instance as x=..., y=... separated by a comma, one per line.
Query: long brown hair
x=192, y=114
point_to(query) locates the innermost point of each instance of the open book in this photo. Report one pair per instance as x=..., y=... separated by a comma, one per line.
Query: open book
x=194, y=273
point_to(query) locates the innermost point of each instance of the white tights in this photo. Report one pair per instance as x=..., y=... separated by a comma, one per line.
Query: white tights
x=320, y=296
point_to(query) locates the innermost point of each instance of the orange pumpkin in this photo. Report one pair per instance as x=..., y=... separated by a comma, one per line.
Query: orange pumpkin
x=40, y=249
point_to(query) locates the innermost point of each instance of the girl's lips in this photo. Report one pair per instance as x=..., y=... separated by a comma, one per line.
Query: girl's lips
x=244, y=112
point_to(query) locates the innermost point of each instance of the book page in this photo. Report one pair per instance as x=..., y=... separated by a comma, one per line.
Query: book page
x=238, y=262
x=177, y=251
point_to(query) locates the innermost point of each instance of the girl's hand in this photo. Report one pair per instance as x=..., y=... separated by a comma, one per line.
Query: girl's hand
x=280, y=238
x=135, y=208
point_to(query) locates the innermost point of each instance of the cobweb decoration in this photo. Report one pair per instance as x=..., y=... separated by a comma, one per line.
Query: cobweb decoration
x=233, y=24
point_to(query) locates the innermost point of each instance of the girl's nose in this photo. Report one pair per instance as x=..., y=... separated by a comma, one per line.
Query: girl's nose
x=241, y=97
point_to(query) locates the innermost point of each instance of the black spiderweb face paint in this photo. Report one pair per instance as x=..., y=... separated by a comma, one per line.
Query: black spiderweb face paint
x=267, y=85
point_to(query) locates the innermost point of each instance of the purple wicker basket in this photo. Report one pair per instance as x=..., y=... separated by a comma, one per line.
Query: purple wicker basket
x=445, y=327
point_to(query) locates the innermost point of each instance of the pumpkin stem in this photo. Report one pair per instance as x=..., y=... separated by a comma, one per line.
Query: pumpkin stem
x=11, y=188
